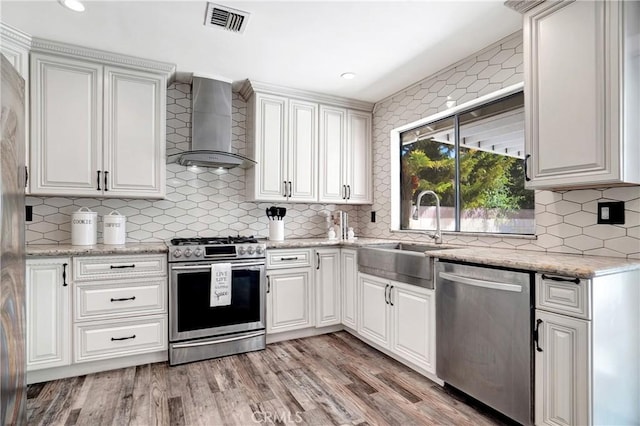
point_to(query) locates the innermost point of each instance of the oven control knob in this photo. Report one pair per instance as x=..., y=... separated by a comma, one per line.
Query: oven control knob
x=188, y=253
x=197, y=252
x=241, y=250
x=177, y=253
x=251, y=250
x=259, y=250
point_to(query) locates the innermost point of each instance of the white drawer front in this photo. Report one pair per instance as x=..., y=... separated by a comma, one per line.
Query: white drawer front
x=563, y=297
x=290, y=258
x=115, y=339
x=109, y=267
x=107, y=299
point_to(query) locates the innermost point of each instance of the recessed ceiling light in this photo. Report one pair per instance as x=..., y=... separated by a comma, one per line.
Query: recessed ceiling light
x=75, y=5
x=348, y=75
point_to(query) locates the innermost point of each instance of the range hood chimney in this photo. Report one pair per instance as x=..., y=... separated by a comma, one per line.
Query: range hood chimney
x=211, y=127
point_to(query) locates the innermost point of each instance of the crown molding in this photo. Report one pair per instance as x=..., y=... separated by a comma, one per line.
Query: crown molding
x=248, y=88
x=64, y=49
x=7, y=32
x=522, y=6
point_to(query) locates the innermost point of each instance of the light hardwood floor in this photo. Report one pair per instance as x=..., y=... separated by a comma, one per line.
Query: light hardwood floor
x=323, y=380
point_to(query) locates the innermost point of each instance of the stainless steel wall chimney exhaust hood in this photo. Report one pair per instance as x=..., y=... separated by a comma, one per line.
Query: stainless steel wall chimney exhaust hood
x=211, y=127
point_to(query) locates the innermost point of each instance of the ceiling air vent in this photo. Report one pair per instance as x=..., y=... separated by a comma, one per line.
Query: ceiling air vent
x=225, y=17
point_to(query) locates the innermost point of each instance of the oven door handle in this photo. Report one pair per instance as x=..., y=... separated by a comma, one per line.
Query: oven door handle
x=233, y=266
x=217, y=341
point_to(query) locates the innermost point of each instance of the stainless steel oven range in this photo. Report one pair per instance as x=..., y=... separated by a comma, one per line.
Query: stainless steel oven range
x=199, y=331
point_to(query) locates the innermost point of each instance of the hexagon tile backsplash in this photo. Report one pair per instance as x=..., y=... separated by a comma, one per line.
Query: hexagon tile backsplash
x=198, y=202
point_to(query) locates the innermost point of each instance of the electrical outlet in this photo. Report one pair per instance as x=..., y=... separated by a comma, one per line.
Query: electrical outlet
x=373, y=216
x=28, y=213
x=611, y=213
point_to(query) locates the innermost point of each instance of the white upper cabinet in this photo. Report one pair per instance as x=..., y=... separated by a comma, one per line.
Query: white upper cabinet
x=98, y=129
x=134, y=133
x=582, y=73
x=284, y=142
x=308, y=147
x=345, y=156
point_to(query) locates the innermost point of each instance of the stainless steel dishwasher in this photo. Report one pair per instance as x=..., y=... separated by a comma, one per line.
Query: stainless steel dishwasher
x=484, y=343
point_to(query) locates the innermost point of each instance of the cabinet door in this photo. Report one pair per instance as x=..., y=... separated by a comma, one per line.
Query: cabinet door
x=134, y=133
x=562, y=370
x=66, y=126
x=413, y=319
x=374, y=311
x=289, y=300
x=271, y=148
x=48, y=313
x=358, y=165
x=332, y=185
x=572, y=94
x=327, y=282
x=349, y=276
x=302, y=151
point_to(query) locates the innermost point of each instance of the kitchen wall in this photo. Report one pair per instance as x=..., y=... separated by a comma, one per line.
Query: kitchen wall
x=565, y=221
x=198, y=202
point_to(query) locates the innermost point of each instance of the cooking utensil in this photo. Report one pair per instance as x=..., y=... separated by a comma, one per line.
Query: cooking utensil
x=283, y=212
x=274, y=212
x=268, y=213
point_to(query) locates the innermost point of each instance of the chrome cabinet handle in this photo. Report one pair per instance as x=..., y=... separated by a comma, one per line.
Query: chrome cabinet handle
x=268, y=284
x=98, y=181
x=289, y=258
x=123, y=338
x=290, y=190
x=344, y=192
x=317, y=260
x=64, y=275
x=526, y=173
x=348, y=192
x=567, y=280
x=285, y=188
x=122, y=299
x=106, y=176
x=536, y=335
x=390, y=300
x=386, y=287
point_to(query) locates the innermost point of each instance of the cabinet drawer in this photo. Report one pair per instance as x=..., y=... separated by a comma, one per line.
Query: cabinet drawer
x=115, y=339
x=108, y=299
x=564, y=295
x=294, y=258
x=108, y=267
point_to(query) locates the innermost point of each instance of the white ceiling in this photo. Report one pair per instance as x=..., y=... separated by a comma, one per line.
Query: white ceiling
x=303, y=44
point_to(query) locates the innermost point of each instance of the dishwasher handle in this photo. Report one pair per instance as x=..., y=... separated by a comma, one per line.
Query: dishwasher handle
x=480, y=283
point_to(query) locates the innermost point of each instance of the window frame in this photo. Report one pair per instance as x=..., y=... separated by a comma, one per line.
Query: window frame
x=395, y=158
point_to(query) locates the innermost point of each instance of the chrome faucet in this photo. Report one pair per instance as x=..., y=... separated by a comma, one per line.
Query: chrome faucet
x=437, y=235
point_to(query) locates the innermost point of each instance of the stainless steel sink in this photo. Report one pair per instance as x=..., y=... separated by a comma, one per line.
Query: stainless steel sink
x=403, y=262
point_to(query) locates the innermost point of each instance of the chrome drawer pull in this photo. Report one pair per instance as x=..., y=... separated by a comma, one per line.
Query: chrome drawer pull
x=568, y=280
x=122, y=266
x=123, y=299
x=123, y=338
x=289, y=258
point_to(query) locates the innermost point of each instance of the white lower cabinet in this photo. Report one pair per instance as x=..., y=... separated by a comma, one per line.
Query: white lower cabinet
x=374, y=309
x=414, y=326
x=327, y=283
x=48, y=299
x=587, y=350
x=562, y=370
x=289, y=299
x=399, y=317
x=349, y=280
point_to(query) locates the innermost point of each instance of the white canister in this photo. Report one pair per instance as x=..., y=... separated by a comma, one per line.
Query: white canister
x=84, y=227
x=276, y=230
x=114, y=228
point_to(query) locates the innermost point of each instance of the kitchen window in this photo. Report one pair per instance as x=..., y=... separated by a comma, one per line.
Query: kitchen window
x=472, y=159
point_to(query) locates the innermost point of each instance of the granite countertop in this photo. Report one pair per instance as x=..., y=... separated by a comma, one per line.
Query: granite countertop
x=95, y=250
x=322, y=242
x=552, y=263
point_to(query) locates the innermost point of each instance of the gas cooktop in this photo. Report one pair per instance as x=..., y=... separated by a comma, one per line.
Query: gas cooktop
x=213, y=240
x=215, y=248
